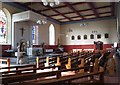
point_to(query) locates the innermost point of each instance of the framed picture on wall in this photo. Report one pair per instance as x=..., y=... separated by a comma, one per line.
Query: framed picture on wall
x=72, y=37
x=85, y=37
x=106, y=35
x=98, y=36
x=91, y=36
x=78, y=37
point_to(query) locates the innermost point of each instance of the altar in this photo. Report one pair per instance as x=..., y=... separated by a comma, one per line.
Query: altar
x=10, y=52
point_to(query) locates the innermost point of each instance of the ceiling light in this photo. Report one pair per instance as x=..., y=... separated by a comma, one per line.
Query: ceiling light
x=42, y=20
x=50, y=2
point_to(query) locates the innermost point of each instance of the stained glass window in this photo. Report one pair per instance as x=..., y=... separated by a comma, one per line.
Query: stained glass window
x=3, y=27
x=35, y=35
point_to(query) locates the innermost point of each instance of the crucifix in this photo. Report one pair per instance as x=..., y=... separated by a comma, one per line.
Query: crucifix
x=22, y=31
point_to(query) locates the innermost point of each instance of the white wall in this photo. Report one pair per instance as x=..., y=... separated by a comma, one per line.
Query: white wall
x=101, y=26
x=43, y=32
x=17, y=32
x=118, y=19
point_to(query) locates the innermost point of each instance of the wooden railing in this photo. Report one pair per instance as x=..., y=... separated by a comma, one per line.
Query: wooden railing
x=29, y=72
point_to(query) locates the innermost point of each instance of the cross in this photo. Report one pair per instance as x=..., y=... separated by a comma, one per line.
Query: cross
x=22, y=31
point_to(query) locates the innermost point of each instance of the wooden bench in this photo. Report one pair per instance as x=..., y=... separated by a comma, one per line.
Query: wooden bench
x=34, y=76
x=7, y=60
x=61, y=80
x=25, y=69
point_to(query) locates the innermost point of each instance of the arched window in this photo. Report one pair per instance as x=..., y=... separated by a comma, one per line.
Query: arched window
x=51, y=35
x=91, y=36
x=85, y=37
x=78, y=37
x=5, y=27
x=35, y=35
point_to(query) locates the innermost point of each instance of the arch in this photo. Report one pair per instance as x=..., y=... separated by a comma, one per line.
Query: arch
x=51, y=35
x=5, y=28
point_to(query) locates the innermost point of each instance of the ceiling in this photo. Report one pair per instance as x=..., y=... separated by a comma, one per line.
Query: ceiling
x=72, y=11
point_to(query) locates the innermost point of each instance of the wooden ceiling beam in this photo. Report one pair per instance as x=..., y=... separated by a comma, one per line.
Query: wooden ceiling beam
x=85, y=15
x=28, y=8
x=58, y=12
x=83, y=10
x=88, y=19
x=64, y=6
x=91, y=4
x=72, y=8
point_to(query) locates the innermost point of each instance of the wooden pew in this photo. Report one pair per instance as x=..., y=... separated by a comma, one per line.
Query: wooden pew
x=96, y=65
x=25, y=69
x=68, y=65
x=58, y=62
x=82, y=65
x=62, y=80
x=63, y=60
x=47, y=62
x=5, y=60
x=16, y=70
x=34, y=77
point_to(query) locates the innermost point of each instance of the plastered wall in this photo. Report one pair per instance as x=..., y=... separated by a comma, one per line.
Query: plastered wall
x=101, y=26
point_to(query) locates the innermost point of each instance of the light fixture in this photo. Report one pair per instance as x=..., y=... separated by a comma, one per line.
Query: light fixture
x=83, y=24
x=51, y=2
x=69, y=30
x=42, y=20
x=95, y=32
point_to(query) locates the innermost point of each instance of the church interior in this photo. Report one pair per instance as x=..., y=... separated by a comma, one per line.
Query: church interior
x=59, y=42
